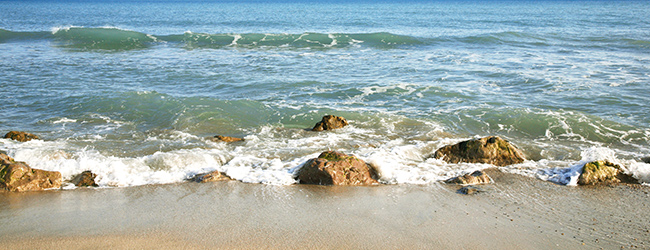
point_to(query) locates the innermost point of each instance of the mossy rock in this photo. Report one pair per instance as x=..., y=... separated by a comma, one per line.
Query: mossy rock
x=604, y=172
x=490, y=150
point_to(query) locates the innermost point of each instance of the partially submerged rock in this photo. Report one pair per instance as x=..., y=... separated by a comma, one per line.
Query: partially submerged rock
x=330, y=122
x=85, y=179
x=211, y=177
x=18, y=176
x=218, y=138
x=604, y=172
x=646, y=159
x=491, y=150
x=469, y=190
x=475, y=178
x=334, y=168
x=20, y=136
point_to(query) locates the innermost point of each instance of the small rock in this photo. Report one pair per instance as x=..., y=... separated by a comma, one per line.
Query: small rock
x=469, y=190
x=211, y=177
x=218, y=138
x=18, y=176
x=491, y=150
x=604, y=172
x=646, y=159
x=20, y=136
x=85, y=179
x=334, y=168
x=330, y=122
x=476, y=177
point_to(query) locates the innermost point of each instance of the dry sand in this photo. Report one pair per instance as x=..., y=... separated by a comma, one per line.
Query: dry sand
x=514, y=213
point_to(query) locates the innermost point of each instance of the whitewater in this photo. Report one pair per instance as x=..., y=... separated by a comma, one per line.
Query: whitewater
x=131, y=90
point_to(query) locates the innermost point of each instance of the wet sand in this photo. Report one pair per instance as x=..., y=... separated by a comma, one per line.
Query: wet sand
x=514, y=213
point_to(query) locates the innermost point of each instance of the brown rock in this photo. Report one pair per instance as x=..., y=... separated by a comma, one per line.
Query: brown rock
x=330, y=122
x=5, y=159
x=469, y=190
x=18, y=176
x=476, y=177
x=211, y=177
x=85, y=179
x=491, y=150
x=334, y=168
x=218, y=138
x=604, y=172
x=20, y=136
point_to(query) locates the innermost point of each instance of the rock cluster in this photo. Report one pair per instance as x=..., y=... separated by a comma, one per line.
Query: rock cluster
x=20, y=136
x=330, y=167
x=603, y=172
x=18, y=176
x=334, y=168
x=491, y=150
x=330, y=122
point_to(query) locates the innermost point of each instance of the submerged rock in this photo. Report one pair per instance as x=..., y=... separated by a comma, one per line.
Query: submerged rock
x=20, y=136
x=218, y=138
x=330, y=122
x=85, y=179
x=604, y=172
x=18, y=176
x=491, y=150
x=211, y=177
x=476, y=177
x=334, y=168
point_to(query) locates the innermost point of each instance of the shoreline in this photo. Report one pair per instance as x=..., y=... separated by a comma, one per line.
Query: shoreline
x=515, y=212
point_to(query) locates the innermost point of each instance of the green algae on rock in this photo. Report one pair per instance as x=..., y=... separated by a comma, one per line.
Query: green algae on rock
x=490, y=150
x=604, y=172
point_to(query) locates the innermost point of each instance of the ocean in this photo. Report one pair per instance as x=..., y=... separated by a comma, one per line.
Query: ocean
x=131, y=89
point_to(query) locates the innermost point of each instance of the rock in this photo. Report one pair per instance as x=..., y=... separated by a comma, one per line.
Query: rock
x=211, y=177
x=476, y=177
x=604, y=172
x=85, y=179
x=18, y=176
x=20, y=136
x=218, y=138
x=646, y=159
x=469, y=190
x=334, y=168
x=491, y=150
x=330, y=122
x=5, y=159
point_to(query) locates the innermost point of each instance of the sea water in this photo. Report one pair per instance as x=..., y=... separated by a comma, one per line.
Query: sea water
x=131, y=89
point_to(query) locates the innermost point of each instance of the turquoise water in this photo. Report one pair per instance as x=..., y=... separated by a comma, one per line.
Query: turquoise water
x=129, y=90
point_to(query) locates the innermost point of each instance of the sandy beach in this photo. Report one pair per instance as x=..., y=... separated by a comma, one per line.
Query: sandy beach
x=514, y=213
